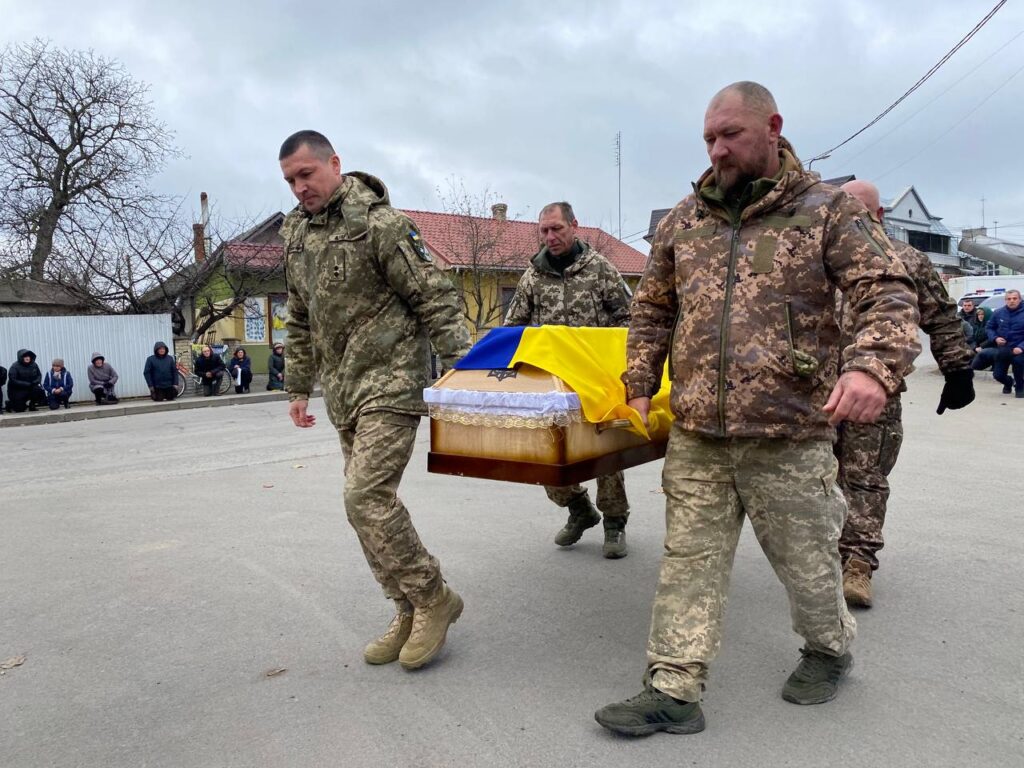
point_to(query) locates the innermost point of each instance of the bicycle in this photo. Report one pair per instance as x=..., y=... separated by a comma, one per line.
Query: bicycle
x=187, y=377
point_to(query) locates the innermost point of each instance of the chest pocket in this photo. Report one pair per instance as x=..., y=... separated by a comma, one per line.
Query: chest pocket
x=779, y=230
x=342, y=258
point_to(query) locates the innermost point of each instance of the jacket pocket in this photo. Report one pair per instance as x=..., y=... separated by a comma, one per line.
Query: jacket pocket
x=804, y=365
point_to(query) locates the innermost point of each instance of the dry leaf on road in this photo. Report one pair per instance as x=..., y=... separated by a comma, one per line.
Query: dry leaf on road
x=276, y=672
x=14, y=661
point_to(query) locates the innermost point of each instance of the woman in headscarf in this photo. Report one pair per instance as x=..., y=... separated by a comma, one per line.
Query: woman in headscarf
x=58, y=385
x=102, y=378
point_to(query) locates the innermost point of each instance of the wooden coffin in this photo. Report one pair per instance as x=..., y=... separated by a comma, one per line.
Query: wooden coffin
x=569, y=451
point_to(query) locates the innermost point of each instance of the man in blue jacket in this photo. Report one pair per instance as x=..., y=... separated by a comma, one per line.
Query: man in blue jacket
x=1006, y=330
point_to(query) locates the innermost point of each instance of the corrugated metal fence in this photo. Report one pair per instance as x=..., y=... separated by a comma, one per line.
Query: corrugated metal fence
x=124, y=340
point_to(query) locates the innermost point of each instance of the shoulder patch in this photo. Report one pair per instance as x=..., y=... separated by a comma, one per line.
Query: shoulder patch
x=417, y=244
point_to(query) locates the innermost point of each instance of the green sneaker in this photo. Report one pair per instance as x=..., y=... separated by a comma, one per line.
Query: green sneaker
x=816, y=678
x=582, y=515
x=651, y=711
x=614, y=543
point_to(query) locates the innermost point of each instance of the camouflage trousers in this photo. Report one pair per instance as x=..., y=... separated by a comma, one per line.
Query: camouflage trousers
x=376, y=453
x=867, y=453
x=788, y=491
x=611, y=497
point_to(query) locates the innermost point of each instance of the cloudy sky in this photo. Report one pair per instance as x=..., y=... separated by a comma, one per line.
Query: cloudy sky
x=524, y=99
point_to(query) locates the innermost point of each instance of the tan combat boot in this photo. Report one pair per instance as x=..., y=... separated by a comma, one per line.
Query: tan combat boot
x=388, y=646
x=857, y=583
x=430, y=628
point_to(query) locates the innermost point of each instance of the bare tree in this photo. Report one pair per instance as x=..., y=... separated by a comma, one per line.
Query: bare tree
x=78, y=142
x=484, y=251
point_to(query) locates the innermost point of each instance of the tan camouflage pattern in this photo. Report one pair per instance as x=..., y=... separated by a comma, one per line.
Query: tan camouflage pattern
x=611, y=497
x=746, y=314
x=590, y=293
x=938, y=312
x=788, y=491
x=867, y=454
x=362, y=302
x=376, y=453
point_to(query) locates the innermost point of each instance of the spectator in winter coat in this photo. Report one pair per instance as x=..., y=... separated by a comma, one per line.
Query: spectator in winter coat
x=58, y=385
x=161, y=374
x=209, y=367
x=1006, y=329
x=3, y=380
x=102, y=378
x=979, y=337
x=25, y=383
x=241, y=370
x=275, y=368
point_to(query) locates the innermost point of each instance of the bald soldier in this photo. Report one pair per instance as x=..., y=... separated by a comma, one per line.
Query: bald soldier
x=867, y=453
x=739, y=296
x=364, y=301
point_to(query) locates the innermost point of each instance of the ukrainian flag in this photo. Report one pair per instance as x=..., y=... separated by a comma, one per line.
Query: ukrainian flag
x=590, y=360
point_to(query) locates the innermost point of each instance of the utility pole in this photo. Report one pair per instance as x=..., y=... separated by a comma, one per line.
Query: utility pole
x=618, y=163
x=996, y=223
x=982, y=210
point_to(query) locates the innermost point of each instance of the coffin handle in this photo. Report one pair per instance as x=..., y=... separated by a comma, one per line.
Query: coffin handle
x=601, y=426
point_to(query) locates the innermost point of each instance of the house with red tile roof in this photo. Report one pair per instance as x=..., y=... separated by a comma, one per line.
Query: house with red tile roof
x=484, y=256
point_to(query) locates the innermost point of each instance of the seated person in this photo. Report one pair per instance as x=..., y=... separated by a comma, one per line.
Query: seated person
x=58, y=385
x=161, y=373
x=1006, y=329
x=979, y=340
x=25, y=383
x=102, y=378
x=210, y=369
x=275, y=368
x=241, y=370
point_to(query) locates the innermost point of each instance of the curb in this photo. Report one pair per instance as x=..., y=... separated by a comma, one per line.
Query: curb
x=87, y=412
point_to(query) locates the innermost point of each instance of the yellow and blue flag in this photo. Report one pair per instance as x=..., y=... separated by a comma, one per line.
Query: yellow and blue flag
x=590, y=360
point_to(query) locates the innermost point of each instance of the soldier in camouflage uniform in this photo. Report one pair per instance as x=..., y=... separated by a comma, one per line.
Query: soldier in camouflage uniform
x=868, y=452
x=569, y=283
x=364, y=301
x=738, y=295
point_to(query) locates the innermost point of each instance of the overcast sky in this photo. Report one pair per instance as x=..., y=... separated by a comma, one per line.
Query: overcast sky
x=524, y=98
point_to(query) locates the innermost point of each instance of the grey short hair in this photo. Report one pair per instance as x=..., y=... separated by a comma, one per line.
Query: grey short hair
x=755, y=96
x=563, y=207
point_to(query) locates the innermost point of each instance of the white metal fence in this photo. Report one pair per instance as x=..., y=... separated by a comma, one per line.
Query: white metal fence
x=124, y=340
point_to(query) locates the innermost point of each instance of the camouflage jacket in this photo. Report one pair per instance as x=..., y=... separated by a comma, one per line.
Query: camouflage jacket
x=939, y=317
x=590, y=292
x=745, y=310
x=363, y=297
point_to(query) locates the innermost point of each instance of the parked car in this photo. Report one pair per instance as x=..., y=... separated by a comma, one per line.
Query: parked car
x=994, y=302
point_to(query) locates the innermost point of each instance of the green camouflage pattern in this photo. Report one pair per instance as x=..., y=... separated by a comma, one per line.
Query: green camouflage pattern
x=590, y=293
x=364, y=304
x=867, y=454
x=376, y=453
x=788, y=490
x=743, y=308
x=611, y=496
x=938, y=312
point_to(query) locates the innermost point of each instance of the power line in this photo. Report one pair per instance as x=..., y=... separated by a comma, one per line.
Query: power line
x=918, y=84
x=954, y=125
x=884, y=136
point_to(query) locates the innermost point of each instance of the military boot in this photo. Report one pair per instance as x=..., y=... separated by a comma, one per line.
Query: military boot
x=816, y=678
x=430, y=629
x=857, y=583
x=650, y=711
x=582, y=515
x=386, y=648
x=614, y=538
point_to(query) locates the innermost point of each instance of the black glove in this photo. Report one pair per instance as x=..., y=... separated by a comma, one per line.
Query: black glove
x=958, y=391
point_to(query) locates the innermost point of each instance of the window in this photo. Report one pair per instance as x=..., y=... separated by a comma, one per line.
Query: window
x=910, y=213
x=926, y=241
x=506, y=300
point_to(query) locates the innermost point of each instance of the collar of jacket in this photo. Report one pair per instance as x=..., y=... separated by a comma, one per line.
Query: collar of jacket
x=767, y=194
x=543, y=264
x=351, y=203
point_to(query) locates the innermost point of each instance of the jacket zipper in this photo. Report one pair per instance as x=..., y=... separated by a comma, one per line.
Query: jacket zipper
x=871, y=240
x=789, y=330
x=724, y=335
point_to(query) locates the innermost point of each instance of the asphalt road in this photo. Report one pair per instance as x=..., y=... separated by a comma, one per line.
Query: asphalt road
x=155, y=568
